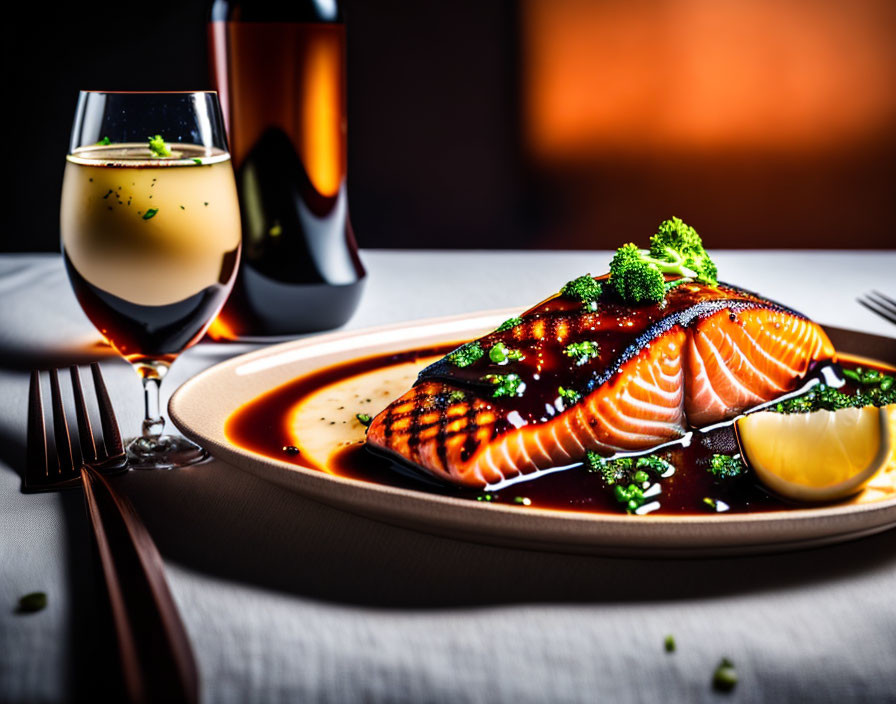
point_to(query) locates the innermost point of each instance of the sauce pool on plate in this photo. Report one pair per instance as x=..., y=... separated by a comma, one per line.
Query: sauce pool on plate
x=313, y=422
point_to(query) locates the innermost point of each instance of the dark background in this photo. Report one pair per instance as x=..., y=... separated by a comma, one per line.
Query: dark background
x=446, y=148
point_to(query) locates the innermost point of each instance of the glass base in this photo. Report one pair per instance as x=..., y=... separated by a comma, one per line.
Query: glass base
x=168, y=452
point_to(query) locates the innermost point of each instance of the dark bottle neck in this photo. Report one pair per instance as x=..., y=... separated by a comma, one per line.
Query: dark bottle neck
x=276, y=11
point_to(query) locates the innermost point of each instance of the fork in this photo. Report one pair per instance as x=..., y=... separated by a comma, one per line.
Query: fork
x=156, y=658
x=878, y=303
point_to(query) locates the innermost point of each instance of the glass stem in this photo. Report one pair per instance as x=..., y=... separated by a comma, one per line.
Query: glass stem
x=153, y=423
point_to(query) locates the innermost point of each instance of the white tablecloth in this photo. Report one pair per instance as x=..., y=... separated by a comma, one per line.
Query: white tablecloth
x=290, y=601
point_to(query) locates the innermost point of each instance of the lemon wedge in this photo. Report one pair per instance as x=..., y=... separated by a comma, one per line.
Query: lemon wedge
x=817, y=456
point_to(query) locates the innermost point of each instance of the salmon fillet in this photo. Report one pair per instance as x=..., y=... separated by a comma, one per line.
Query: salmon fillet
x=704, y=355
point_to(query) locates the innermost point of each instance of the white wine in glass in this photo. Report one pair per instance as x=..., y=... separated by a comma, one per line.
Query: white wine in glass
x=150, y=229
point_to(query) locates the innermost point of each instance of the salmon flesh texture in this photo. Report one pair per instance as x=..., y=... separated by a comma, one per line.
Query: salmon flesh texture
x=704, y=355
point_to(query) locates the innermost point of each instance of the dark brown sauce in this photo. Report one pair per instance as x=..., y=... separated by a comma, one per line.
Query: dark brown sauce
x=261, y=426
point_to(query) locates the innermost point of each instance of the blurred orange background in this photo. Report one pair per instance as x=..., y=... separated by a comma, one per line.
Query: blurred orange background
x=763, y=122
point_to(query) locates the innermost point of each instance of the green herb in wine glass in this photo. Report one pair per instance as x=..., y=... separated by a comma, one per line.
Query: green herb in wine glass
x=158, y=147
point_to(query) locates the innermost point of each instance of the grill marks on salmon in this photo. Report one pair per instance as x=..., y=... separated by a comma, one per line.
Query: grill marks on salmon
x=706, y=356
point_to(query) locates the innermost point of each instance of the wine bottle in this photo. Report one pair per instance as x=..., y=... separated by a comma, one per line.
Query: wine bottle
x=279, y=69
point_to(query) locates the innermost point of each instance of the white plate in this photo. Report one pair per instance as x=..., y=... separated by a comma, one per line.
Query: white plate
x=202, y=405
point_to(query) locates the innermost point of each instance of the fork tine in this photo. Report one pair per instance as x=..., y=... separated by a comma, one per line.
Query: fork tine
x=883, y=301
x=37, y=432
x=877, y=310
x=111, y=434
x=85, y=431
x=64, y=457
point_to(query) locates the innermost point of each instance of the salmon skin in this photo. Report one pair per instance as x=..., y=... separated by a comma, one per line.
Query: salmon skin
x=617, y=378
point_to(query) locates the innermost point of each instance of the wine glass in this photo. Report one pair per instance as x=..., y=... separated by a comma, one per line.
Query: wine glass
x=150, y=229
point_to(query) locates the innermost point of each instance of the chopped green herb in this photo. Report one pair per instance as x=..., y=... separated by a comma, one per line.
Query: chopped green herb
x=158, y=147
x=584, y=289
x=632, y=496
x=364, y=419
x=726, y=466
x=456, y=396
x=182, y=208
x=725, y=676
x=197, y=161
x=625, y=469
x=823, y=397
x=660, y=467
x=852, y=374
x=487, y=497
x=501, y=353
x=505, y=384
x=150, y=213
x=104, y=141
x=712, y=503
x=870, y=376
x=569, y=395
x=628, y=475
x=508, y=324
x=582, y=351
x=669, y=644
x=466, y=354
x=35, y=601
x=522, y=500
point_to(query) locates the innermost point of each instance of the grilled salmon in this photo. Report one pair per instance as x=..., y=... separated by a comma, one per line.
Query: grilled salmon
x=568, y=378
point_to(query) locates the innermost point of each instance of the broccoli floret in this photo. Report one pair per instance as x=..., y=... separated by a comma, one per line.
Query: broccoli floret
x=584, y=289
x=634, y=278
x=466, y=354
x=636, y=275
x=726, y=466
x=679, y=244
